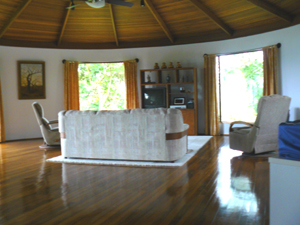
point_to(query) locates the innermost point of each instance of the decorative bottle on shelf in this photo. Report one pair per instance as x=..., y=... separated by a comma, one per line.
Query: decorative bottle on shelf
x=178, y=65
x=168, y=78
x=170, y=65
x=156, y=66
x=148, y=79
x=163, y=65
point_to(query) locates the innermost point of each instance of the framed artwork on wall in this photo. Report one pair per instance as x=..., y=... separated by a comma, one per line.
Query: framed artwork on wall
x=31, y=80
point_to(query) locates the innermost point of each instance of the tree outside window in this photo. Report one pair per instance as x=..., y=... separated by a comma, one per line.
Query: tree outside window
x=241, y=85
x=101, y=86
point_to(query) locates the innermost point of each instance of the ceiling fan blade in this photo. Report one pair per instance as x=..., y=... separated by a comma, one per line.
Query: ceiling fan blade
x=119, y=2
x=73, y=6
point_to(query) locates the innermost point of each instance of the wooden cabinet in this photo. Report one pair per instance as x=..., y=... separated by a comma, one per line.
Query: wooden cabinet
x=189, y=118
x=171, y=88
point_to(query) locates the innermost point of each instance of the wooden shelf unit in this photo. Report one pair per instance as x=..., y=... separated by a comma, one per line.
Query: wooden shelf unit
x=186, y=78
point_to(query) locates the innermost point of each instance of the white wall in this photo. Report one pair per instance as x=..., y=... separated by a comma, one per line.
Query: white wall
x=19, y=118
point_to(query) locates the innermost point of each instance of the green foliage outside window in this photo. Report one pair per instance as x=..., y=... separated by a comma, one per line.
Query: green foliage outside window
x=253, y=73
x=101, y=86
x=241, y=78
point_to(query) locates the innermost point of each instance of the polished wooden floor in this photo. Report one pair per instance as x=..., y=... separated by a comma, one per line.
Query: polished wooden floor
x=217, y=186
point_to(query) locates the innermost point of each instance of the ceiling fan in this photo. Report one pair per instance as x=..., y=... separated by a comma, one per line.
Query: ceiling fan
x=101, y=3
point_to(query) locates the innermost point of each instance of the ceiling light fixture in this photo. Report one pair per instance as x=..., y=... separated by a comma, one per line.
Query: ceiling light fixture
x=142, y=3
x=96, y=3
x=72, y=5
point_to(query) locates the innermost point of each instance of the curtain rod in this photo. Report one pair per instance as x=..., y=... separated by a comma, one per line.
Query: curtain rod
x=251, y=50
x=137, y=60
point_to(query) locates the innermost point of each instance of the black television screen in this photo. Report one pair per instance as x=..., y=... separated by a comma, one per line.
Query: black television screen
x=154, y=98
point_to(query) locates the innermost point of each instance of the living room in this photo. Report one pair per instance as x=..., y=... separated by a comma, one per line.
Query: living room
x=185, y=185
x=189, y=55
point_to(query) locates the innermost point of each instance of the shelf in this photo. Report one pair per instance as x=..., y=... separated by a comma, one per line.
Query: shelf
x=179, y=83
x=170, y=80
x=152, y=84
x=188, y=109
x=181, y=93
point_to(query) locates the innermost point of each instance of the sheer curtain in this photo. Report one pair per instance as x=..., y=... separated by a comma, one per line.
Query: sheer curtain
x=270, y=70
x=71, y=86
x=2, y=128
x=130, y=73
x=212, y=124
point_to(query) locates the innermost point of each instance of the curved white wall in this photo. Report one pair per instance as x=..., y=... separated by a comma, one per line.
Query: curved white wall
x=19, y=118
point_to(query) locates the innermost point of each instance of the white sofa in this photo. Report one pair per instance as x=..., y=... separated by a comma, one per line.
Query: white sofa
x=133, y=134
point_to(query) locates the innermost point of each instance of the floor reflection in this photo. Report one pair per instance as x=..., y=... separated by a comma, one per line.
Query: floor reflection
x=111, y=185
x=36, y=187
x=234, y=190
x=217, y=186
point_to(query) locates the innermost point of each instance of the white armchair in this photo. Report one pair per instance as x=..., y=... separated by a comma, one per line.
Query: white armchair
x=262, y=135
x=50, y=134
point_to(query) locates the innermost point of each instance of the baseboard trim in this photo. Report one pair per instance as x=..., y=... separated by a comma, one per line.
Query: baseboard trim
x=25, y=139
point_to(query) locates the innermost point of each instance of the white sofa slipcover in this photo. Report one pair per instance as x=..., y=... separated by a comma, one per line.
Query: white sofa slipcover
x=133, y=134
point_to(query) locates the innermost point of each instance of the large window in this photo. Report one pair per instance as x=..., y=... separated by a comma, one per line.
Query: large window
x=101, y=86
x=241, y=85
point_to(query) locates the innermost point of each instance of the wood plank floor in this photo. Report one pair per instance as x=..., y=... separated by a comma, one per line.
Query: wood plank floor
x=217, y=186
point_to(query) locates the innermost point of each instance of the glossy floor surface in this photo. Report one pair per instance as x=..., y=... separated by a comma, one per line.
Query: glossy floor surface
x=217, y=186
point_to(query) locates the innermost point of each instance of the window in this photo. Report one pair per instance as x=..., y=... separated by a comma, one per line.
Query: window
x=101, y=86
x=241, y=85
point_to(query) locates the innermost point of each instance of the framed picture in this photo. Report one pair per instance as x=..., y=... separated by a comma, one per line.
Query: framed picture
x=179, y=101
x=31, y=80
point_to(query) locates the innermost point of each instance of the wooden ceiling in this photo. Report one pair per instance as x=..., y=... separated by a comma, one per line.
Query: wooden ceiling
x=48, y=24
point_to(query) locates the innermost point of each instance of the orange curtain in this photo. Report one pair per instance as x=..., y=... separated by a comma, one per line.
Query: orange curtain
x=71, y=86
x=270, y=70
x=2, y=128
x=212, y=124
x=132, y=100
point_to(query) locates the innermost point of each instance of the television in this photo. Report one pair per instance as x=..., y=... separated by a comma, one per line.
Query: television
x=154, y=98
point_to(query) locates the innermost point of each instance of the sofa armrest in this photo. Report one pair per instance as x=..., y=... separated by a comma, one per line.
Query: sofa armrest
x=178, y=135
x=61, y=124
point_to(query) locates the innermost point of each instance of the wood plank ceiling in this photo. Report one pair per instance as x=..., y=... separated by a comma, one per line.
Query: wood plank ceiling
x=49, y=24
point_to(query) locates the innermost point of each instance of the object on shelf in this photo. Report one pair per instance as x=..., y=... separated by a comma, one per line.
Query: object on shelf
x=156, y=66
x=170, y=65
x=154, y=98
x=178, y=65
x=190, y=104
x=182, y=79
x=168, y=78
x=178, y=106
x=181, y=89
x=148, y=78
x=163, y=65
x=179, y=101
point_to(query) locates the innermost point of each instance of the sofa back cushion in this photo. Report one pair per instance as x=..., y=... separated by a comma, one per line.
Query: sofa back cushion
x=140, y=132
